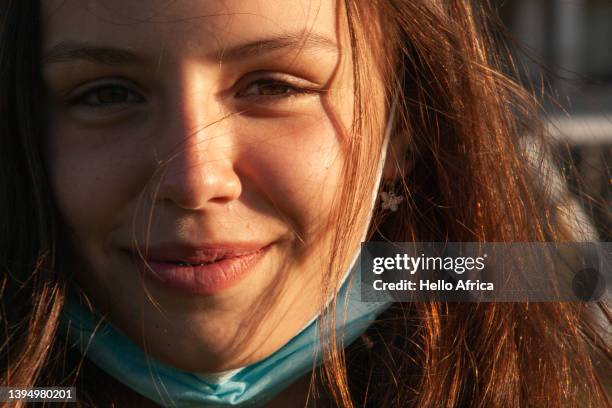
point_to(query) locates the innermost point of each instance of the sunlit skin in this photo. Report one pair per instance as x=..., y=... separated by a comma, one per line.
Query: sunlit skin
x=199, y=122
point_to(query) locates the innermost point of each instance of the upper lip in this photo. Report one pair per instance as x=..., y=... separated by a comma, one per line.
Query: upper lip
x=195, y=254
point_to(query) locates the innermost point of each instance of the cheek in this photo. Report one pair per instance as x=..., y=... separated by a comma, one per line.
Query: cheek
x=297, y=163
x=92, y=181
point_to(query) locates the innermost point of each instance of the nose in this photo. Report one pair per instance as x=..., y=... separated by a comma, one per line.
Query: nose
x=198, y=176
x=198, y=169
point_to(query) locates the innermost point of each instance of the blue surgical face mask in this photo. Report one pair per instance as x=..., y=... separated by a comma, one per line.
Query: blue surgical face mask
x=249, y=386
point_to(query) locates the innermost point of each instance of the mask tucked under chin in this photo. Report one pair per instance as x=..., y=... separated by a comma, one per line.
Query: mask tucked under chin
x=249, y=386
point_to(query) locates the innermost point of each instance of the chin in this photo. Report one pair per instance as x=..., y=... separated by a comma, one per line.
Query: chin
x=203, y=359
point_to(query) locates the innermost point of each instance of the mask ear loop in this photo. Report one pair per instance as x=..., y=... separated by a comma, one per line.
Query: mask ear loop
x=389, y=200
x=379, y=170
x=383, y=157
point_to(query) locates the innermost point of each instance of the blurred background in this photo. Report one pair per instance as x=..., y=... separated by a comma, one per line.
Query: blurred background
x=563, y=49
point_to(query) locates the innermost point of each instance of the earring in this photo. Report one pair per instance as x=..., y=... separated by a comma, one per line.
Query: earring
x=390, y=200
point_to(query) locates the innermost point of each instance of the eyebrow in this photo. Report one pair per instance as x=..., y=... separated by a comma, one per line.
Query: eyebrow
x=70, y=51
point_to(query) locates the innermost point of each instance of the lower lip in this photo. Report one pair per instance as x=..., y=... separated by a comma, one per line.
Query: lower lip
x=209, y=279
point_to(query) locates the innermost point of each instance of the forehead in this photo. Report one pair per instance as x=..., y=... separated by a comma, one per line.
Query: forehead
x=186, y=26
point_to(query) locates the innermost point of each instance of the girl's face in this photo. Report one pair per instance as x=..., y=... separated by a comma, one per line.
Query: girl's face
x=206, y=136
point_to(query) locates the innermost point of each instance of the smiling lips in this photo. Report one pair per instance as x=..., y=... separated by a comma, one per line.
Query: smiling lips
x=200, y=270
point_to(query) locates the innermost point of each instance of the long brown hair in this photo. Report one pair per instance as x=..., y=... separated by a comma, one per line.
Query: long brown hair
x=465, y=179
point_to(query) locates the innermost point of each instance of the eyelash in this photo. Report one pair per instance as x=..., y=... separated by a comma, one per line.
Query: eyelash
x=291, y=90
x=82, y=99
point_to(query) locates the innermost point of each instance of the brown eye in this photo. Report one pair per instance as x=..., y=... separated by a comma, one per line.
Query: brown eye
x=269, y=87
x=110, y=95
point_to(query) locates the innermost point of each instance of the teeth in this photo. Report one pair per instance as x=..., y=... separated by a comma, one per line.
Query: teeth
x=190, y=264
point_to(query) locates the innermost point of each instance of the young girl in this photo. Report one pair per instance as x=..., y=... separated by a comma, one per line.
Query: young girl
x=186, y=185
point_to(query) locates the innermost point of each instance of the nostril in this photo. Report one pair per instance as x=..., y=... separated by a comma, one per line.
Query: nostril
x=195, y=187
